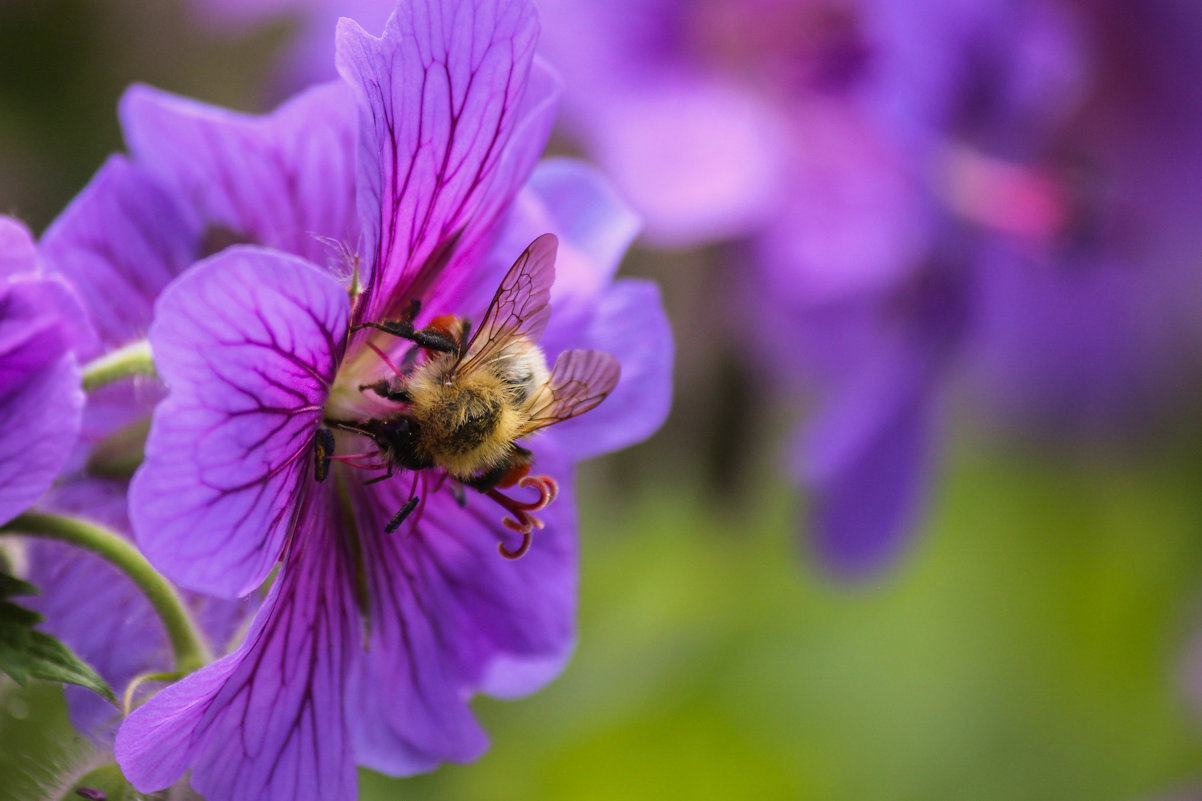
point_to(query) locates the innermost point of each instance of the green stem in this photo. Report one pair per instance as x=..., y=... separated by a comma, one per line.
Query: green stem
x=127, y=698
x=131, y=360
x=186, y=641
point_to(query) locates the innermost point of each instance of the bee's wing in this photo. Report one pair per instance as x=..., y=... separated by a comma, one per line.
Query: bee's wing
x=580, y=380
x=521, y=307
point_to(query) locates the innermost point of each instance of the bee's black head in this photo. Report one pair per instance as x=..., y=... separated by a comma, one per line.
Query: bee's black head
x=398, y=438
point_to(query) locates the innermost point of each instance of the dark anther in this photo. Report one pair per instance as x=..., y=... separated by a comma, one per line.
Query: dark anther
x=458, y=494
x=91, y=794
x=400, y=516
x=323, y=449
x=412, y=310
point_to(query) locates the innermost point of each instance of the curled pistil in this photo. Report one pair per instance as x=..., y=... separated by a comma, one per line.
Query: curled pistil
x=524, y=521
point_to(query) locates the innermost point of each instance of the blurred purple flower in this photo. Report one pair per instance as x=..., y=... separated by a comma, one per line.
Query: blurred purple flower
x=1035, y=159
x=370, y=643
x=40, y=395
x=1053, y=198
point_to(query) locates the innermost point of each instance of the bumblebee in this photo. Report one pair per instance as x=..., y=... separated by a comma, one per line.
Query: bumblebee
x=464, y=401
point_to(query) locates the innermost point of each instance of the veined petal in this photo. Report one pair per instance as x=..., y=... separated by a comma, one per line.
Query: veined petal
x=266, y=722
x=451, y=617
x=629, y=322
x=41, y=401
x=450, y=119
x=282, y=180
x=248, y=343
x=120, y=242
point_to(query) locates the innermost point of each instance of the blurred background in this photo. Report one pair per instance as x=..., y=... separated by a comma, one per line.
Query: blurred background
x=924, y=522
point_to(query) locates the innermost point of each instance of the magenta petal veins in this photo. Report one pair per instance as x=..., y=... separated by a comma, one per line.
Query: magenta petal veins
x=441, y=96
x=248, y=344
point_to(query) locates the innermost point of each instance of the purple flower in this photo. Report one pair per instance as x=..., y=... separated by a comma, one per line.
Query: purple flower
x=375, y=632
x=122, y=239
x=1028, y=160
x=719, y=118
x=40, y=395
x=1048, y=199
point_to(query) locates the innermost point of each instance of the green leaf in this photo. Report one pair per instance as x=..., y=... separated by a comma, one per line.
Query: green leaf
x=11, y=585
x=108, y=780
x=27, y=653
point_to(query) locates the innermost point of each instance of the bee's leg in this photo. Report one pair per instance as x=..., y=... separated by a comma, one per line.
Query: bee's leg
x=385, y=390
x=323, y=449
x=409, y=360
x=378, y=479
x=428, y=338
x=466, y=335
x=458, y=494
x=400, y=516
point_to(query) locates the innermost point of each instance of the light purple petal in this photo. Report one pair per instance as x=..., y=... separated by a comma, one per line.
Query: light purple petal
x=700, y=153
x=447, y=127
x=248, y=343
x=120, y=242
x=451, y=617
x=281, y=180
x=18, y=253
x=266, y=722
x=700, y=161
x=867, y=462
x=96, y=610
x=856, y=219
x=629, y=323
x=41, y=401
x=587, y=215
x=594, y=226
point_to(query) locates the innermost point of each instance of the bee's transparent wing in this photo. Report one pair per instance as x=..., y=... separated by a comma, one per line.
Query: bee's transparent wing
x=580, y=380
x=521, y=307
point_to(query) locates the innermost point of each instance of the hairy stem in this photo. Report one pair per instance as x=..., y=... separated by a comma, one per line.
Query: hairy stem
x=131, y=360
x=187, y=644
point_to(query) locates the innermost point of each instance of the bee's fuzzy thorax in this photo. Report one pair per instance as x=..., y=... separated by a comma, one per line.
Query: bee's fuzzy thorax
x=467, y=423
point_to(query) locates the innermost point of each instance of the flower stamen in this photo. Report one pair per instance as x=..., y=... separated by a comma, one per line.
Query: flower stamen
x=387, y=360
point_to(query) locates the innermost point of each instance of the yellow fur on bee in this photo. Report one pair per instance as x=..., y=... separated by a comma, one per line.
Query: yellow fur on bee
x=467, y=422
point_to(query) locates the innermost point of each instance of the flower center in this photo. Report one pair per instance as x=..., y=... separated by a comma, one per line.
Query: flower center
x=374, y=427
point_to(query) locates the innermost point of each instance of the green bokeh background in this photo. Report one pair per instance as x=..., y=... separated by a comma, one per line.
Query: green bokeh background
x=1034, y=644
